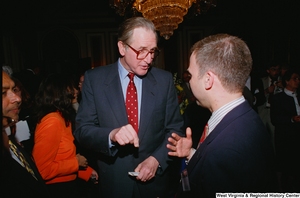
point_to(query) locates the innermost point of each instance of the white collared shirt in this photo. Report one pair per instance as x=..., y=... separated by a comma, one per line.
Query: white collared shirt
x=219, y=114
x=294, y=95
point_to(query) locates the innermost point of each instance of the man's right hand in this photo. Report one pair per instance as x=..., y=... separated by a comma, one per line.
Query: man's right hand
x=125, y=135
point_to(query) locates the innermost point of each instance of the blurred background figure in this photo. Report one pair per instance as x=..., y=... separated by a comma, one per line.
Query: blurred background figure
x=54, y=150
x=186, y=87
x=255, y=95
x=25, y=126
x=19, y=174
x=80, y=82
x=285, y=115
x=270, y=84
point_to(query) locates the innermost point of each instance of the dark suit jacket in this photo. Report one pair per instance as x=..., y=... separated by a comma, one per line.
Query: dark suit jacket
x=282, y=110
x=237, y=156
x=102, y=109
x=18, y=182
x=287, y=133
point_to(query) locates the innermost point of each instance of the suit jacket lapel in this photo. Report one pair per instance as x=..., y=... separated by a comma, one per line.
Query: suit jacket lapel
x=233, y=114
x=29, y=160
x=114, y=94
x=147, y=103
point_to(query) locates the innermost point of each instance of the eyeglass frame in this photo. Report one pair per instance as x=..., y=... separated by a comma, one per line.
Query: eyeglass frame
x=139, y=51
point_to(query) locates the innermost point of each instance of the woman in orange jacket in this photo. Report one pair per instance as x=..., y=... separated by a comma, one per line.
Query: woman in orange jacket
x=54, y=150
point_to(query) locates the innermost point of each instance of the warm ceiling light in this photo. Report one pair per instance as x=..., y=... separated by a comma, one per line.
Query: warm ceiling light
x=165, y=14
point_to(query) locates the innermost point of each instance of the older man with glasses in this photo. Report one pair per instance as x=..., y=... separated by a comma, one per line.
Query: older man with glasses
x=128, y=111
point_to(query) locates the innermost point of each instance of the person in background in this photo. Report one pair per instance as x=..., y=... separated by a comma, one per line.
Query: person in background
x=19, y=174
x=54, y=151
x=26, y=125
x=255, y=86
x=8, y=70
x=186, y=87
x=285, y=116
x=87, y=189
x=103, y=124
x=80, y=82
x=272, y=85
x=235, y=152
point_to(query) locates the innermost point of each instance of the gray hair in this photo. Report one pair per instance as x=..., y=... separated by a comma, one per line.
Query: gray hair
x=126, y=28
x=7, y=69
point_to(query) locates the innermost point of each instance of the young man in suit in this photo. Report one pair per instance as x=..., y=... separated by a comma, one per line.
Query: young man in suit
x=103, y=124
x=19, y=174
x=236, y=154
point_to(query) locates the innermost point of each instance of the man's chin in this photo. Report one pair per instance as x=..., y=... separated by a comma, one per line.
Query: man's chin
x=142, y=72
x=14, y=117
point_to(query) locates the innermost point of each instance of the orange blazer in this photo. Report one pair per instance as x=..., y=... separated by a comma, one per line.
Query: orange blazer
x=54, y=151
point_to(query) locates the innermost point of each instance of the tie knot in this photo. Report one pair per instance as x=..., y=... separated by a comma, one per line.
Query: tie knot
x=131, y=75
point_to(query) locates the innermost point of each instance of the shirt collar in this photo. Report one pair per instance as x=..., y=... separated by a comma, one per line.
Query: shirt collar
x=290, y=93
x=122, y=71
x=219, y=114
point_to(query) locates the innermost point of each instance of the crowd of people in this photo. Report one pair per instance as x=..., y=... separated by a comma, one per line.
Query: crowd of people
x=118, y=131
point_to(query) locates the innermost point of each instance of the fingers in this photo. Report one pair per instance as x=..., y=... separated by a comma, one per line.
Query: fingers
x=188, y=133
x=176, y=136
x=172, y=141
x=125, y=135
x=136, y=142
x=138, y=168
x=147, y=169
x=82, y=161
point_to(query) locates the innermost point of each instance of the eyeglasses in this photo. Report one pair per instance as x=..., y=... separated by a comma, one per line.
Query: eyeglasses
x=141, y=54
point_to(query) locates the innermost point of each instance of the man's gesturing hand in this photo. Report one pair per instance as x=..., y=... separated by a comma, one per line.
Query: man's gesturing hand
x=180, y=146
x=125, y=135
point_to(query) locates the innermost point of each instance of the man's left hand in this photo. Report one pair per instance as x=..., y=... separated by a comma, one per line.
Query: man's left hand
x=147, y=169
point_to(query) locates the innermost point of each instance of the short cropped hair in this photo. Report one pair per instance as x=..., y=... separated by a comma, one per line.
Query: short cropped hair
x=226, y=56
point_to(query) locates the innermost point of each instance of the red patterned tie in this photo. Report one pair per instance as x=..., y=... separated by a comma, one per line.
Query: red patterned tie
x=204, y=135
x=132, y=103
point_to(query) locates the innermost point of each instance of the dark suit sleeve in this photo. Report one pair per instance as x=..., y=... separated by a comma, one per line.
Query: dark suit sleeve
x=173, y=123
x=282, y=109
x=88, y=131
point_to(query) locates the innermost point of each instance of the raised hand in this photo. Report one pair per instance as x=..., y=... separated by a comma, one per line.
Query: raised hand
x=180, y=146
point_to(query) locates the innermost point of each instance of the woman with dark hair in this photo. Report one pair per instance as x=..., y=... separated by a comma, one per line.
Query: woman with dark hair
x=54, y=151
x=285, y=116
